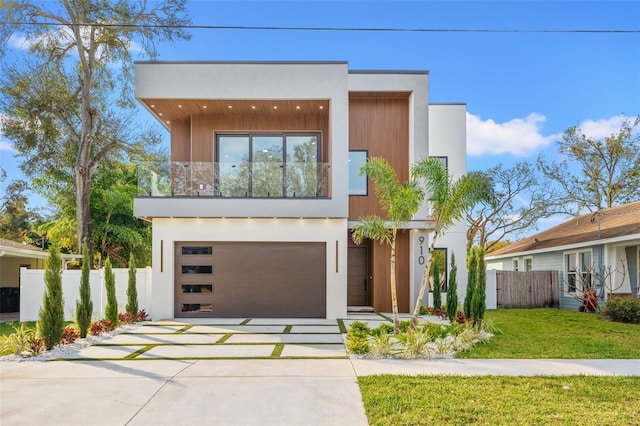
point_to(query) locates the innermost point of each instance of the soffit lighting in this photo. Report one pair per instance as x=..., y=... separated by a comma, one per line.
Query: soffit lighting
x=275, y=107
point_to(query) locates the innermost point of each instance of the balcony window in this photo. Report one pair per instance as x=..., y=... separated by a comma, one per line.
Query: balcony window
x=268, y=165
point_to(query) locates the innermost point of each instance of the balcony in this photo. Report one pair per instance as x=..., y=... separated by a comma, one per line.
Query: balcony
x=264, y=180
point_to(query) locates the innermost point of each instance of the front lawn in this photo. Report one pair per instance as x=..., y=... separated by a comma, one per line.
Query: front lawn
x=554, y=333
x=496, y=400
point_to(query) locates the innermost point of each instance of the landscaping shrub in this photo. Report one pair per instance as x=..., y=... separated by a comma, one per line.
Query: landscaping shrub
x=472, y=267
x=383, y=328
x=51, y=313
x=478, y=301
x=18, y=342
x=132, y=291
x=84, y=306
x=111, y=309
x=99, y=327
x=437, y=286
x=70, y=334
x=358, y=338
x=622, y=309
x=142, y=315
x=452, y=290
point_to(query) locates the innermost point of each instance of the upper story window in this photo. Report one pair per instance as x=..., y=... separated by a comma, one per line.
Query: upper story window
x=579, y=272
x=357, y=182
x=268, y=165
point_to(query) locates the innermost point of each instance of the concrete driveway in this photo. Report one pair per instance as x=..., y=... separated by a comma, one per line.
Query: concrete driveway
x=216, y=372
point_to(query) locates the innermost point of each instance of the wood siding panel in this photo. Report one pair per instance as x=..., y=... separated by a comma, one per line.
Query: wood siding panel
x=379, y=125
x=205, y=126
x=380, y=285
x=181, y=140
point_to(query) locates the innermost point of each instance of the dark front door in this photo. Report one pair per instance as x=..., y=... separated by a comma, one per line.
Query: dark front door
x=358, y=277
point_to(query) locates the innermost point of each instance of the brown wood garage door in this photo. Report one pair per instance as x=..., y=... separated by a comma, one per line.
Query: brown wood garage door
x=250, y=279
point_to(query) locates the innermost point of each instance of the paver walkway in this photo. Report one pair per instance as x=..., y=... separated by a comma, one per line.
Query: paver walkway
x=228, y=372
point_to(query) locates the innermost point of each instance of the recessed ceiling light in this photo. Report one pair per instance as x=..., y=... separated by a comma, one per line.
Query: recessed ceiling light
x=204, y=106
x=297, y=106
x=253, y=107
x=153, y=106
x=229, y=106
x=160, y=114
x=179, y=106
x=275, y=107
x=321, y=107
x=168, y=122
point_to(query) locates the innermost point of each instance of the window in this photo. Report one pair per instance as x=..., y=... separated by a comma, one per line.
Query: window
x=528, y=264
x=578, y=267
x=444, y=161
x=268, y=165
x=439, y=257
x=357, y=182
x=516, y=266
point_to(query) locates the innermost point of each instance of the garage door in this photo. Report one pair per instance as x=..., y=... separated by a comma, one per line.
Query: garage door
x=250, y=279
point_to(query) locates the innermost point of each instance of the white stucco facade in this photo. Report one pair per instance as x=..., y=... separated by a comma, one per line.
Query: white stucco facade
x=332, y=232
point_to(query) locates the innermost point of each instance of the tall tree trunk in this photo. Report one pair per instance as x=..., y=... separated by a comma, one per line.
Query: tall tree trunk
x=83, y=216
x=394, y=294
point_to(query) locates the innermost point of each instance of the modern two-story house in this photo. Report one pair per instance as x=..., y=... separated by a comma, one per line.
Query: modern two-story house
x=253, y=216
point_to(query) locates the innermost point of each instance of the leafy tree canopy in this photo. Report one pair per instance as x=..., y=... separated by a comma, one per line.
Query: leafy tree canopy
x=597, y=173
x=68, y=101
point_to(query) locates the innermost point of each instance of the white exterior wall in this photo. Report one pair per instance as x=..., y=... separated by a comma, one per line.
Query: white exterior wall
x=167, y=231
x=32, y=288
x=448, y=138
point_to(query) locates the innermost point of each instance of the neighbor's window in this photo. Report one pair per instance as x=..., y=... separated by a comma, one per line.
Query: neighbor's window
x=357, y=182
x=516, y=265
x=578, y=266
x=439, y=257
x=528, y=264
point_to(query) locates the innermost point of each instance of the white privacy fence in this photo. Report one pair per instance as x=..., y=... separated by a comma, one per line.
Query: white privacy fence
x=32, y=291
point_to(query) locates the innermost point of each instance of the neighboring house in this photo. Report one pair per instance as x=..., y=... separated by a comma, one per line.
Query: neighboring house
x=601, y=244
x=253, y=216
x=13, y=256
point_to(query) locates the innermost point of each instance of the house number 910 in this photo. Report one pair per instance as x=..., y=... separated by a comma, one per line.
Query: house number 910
x=421, y=257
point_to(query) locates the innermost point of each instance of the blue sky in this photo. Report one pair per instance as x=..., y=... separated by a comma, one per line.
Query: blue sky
x=522, y=89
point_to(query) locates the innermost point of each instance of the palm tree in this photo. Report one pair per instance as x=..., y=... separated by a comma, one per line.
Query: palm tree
x=401, y=202
x=448, y=202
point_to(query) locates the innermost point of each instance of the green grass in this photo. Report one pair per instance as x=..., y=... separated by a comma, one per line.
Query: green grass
x=553, y=333
x=494, y=400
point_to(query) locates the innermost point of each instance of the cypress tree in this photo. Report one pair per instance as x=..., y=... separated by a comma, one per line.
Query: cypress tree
x=111, y=310
x=472, y=267
x=437, y=284
x=452, y=290
x=51, y=321
x=479, y=297
x=132, y=291
x=84, y=306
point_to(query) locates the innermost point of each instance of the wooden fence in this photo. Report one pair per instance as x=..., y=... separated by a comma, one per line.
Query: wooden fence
x=533, y=289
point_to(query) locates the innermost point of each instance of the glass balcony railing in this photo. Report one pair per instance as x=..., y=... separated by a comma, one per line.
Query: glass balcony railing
x=228, y=180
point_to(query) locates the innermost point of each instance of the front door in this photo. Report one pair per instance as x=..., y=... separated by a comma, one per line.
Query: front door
x=358, y=277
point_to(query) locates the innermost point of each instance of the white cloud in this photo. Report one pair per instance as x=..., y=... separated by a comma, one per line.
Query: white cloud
x=519, y=137
x=603, y=128
x=19, y=42
x=5, y=146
